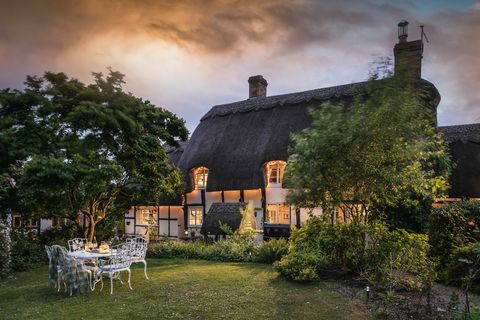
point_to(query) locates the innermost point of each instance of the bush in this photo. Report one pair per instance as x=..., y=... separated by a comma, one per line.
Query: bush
x=319, y=246
x=178, y=249
x=386, y=258
x=58, y=235
x=237, y=248
x=5, y=249
x=271, y=251
x=27, y=252
x=396, y=258
x=456, y=270
x=452, y=226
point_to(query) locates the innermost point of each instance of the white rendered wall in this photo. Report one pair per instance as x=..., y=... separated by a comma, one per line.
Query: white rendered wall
x=45, y=224
x=275, y=195
x=231, y=196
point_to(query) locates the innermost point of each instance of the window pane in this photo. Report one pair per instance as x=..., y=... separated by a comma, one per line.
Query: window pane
x=277, y=213
x=195, y=216
x=201, y=177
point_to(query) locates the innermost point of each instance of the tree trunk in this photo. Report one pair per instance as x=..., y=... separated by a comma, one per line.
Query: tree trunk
x=91, y=230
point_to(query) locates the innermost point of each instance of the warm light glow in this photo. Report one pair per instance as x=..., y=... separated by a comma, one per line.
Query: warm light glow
x=200, y=176
x=195, y=216
x=275, y=171
x=278, y=213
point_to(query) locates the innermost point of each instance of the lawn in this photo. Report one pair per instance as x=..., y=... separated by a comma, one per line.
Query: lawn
x=181, y=289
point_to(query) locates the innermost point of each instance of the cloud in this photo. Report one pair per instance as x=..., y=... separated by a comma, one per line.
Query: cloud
x=189, y=55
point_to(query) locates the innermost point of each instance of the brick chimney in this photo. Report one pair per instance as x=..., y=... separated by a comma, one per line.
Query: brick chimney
x=408, y=54
x=257, y=86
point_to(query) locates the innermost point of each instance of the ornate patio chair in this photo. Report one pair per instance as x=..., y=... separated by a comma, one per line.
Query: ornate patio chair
x=74, y=277
x=76, y=244
x=138, y=250
x=114, y=266
x=53, y=269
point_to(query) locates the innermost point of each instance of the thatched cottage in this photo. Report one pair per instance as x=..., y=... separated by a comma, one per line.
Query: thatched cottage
x=239, y=151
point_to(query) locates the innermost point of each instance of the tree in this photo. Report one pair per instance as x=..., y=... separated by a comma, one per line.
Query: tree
x=95, y=147
x=376, y=152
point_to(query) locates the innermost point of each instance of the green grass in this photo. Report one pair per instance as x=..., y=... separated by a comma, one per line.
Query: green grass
x=181, y=289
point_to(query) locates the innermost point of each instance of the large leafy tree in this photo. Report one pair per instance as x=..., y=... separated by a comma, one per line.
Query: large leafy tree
x=382, y=150
x=89, y=149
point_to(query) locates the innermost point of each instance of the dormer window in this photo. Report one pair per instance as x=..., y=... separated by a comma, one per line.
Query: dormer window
x=200, y=176
x=275, y=171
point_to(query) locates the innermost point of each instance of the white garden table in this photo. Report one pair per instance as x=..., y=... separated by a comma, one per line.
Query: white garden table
x=89, y=255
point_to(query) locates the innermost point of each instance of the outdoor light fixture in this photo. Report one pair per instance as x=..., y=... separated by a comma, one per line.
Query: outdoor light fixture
x=403, y=30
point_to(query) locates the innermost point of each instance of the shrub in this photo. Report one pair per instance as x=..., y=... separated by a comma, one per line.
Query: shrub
x=396, y=258
x=27, y=252
x=237, y=248
x=58, y=235
x=386, y=258
x=450, y=227
x=5, y=249
x=271, y=251
x=178, y=249
x=457, y=269
x=319, y=246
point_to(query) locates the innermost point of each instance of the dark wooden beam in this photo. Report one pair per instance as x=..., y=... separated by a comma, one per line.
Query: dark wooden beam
x=264, y=203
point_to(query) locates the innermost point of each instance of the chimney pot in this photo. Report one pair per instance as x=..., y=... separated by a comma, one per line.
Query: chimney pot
x=257, y=86
x=402, y=31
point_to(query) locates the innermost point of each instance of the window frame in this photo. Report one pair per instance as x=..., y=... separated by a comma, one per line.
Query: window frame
x=197, y=173
x=278, y=213
x=277, y=166
x=140, y=216
x=197, y=222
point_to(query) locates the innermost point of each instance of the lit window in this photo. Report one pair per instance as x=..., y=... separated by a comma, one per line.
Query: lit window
x=147, y=215
x=195, y=216
x=201, y=177
x=278, y=213
x=275, y=171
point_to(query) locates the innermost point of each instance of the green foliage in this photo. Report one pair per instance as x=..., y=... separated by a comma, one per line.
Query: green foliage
x=225, y=228
x=452, y=226
x=73, y=148
x=388, y=259
x=178, y=249
x=5, y=249
x=412, y=216
x=237, y=248
x=396, y=258
x=459, y=267
x=318, y=246
x=27, y=252
x=59, y=235
x=375, y=152
x=271, y=251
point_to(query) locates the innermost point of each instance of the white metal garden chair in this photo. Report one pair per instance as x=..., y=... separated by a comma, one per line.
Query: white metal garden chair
x=138, y=250
x=76, y=244
x=115, y=265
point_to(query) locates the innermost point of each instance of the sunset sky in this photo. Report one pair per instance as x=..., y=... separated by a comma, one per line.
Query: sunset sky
x=187, y=56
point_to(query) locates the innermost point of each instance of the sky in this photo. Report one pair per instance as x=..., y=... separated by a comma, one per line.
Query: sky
x=187, y=56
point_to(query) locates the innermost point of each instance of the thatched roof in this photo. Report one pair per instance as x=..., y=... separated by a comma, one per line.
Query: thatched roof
x=228, y=213
x=235, y=140
x=464, y=142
